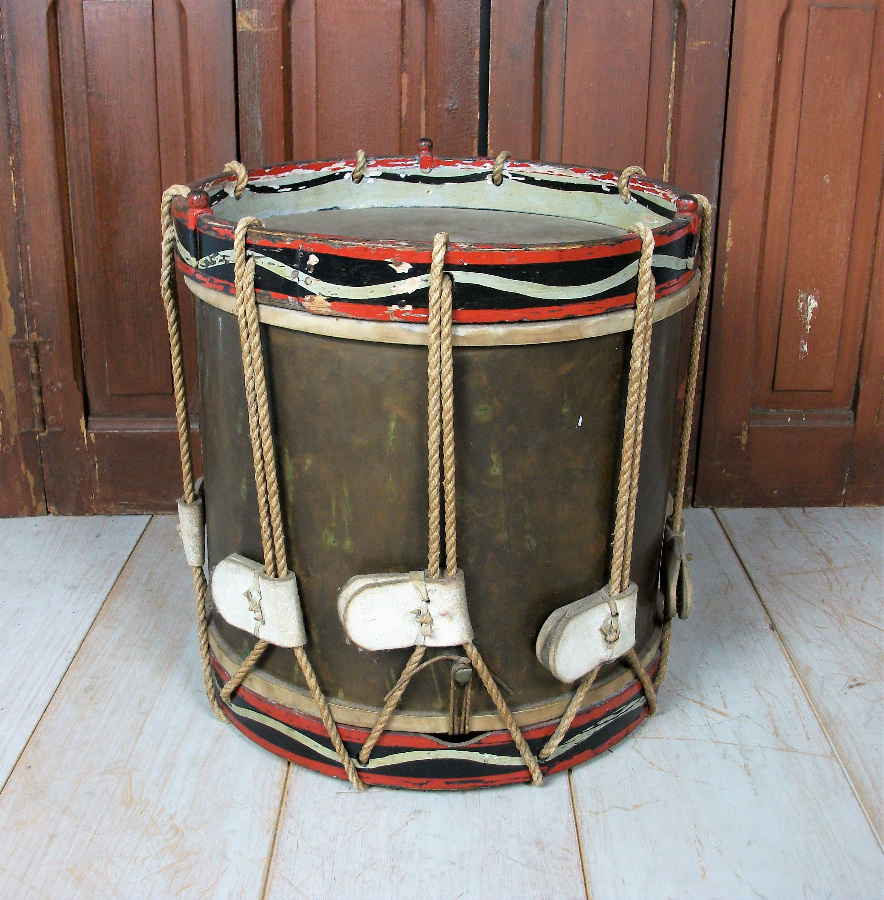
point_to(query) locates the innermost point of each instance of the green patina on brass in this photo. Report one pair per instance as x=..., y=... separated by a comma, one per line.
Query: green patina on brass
x=538, y=431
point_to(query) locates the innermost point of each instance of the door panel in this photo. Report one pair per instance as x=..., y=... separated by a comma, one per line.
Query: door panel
x=799, y=214
x=606, y=81
x=115, y=99
x=613, y=83
x=812, y=344
x=123, y=335
x=321, y=80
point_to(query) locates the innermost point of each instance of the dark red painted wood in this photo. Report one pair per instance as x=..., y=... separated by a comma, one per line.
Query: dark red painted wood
x=319, y=80
x=112, y=102
x=21, y=401
x=614, y=83
x=785, y=412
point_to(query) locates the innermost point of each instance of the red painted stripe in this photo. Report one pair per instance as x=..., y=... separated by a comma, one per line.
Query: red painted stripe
x=493, y=779
x=458, y=253
x=600, y=176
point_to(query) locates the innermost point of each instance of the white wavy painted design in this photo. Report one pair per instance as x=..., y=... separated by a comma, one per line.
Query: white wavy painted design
x=405, y=286
x=406, y=756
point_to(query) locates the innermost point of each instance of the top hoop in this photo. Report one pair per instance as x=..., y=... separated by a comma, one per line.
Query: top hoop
x=550, y=242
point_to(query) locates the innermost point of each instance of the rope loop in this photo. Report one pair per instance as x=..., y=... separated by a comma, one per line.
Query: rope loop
x=359, y=168
x=176, y=190
x=497, y=169
x=623, y=181
x=694, y=364
x=236, y=168
x=169, y=293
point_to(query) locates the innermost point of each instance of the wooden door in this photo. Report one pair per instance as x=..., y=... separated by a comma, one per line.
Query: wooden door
x=320, y=80
x=112, y=100
x=792, y=411
x=614, y=83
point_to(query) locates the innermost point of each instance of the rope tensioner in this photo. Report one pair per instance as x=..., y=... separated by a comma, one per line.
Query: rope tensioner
x=270, y=606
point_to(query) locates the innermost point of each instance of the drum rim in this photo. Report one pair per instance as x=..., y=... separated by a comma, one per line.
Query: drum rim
x=383, y=280
x=685, y=211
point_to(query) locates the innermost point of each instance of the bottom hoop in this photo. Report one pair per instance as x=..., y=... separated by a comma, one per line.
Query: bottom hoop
x=428, y=762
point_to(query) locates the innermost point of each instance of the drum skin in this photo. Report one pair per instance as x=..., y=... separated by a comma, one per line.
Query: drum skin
x=538, y=449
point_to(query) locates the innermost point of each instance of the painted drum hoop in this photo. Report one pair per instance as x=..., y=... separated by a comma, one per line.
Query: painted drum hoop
x=279, y=714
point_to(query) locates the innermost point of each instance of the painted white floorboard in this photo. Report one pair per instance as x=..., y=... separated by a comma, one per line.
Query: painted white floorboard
x=820, y=574
x=335, y=843
x=129, y=787
x=54, y=575
x=732, y=790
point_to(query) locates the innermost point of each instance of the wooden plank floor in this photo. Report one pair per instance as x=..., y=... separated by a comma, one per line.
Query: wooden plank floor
x=760, y=777
x=53, y=572
x=823, y=589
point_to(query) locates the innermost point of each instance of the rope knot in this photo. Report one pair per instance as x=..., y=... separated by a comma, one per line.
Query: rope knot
x=610, y=628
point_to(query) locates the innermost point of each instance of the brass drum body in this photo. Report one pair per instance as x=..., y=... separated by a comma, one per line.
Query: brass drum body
x=539, y=392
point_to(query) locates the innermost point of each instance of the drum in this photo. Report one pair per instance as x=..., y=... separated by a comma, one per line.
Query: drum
x=541, y=264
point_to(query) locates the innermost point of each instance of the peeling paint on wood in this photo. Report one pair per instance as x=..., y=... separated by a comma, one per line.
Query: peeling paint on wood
x=808, y=301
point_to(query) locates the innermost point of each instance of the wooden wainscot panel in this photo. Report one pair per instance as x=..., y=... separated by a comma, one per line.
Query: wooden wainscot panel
x=607, y=83
x=321, y=80
x=799, y=213
x=810, y=319
x=115, y=178
x=114, y=101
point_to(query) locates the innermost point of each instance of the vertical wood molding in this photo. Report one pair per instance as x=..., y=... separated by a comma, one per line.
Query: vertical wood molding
x=865, y=481
x=31, y=46
x=21, y=401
